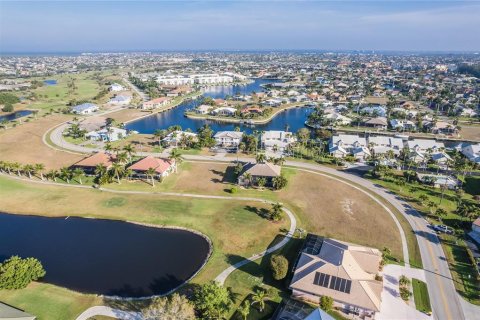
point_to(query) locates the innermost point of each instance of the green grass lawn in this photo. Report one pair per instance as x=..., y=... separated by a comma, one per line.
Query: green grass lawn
x=420, y=295
x=234, y=228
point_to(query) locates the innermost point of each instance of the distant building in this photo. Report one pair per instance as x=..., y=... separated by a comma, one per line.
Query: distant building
x=348, y=144
x=224, y=111
x=120, y=100
x=156, y=103
x=116, y=87
x=84, y=108
x=277, y=141
x=175, y=138
x=107, y=134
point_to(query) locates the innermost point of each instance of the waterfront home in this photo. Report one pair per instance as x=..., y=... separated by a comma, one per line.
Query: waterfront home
x=472, y=152
x=178, y=91
x=251, y=110
x=116, y=87
x=252, y=172
x=337, y=119
x=89, y=164
x=277, y=141
x=228, y=139
x=291, y=309
x=272, y=102
x=163, y=167
x=203, y=109
x=376, y=110
x=84, y=108
x=343, y=271
x=156, y=103
x=383, y=144
x=224, y=111
x=178, y=137
x=120, y=100
x=174, y=80
x=348, y=144
x=107, y=134
x=438, y=181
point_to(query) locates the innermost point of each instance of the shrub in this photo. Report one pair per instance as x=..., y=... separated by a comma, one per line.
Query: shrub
x=279, y=266
x=233, y=190
x=7, y=108
x=17, y=273
x=405, y=293
x=326, y=303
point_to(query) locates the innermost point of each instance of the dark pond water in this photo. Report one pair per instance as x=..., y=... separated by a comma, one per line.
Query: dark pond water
x=102, y=256
x=15, y=115
x=294, y=118
x=50, y=82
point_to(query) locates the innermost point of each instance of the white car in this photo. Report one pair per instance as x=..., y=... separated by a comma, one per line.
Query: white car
x=442, y=228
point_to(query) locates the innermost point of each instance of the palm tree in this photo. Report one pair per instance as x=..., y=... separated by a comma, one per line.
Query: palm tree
x=52, y=174
x=118, y=170
x=244, y=310
x=176, y=156
x=260, y=158
x=65, y=174
x=122, y=158
x=108, y=147
x=29, y=169
x=100, y=170
x=276, y=211
x=39, y=167
x=247, y=177
x=404, y=281
x=16, y=167
x=151, y=173
x=259, y=297
x=78, y=173
x=130, y=150
x=261, y=182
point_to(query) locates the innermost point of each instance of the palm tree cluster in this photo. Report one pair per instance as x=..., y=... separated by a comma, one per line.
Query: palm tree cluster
x=17, y=168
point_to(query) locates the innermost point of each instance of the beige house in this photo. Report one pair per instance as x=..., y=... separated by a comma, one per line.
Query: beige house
x=346, y=272
x=254, y=171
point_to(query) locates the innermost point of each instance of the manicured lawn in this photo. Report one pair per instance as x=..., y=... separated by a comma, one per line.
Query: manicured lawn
x=233, y=226
x=420, y=295
x=49, y=302
x=463, y=272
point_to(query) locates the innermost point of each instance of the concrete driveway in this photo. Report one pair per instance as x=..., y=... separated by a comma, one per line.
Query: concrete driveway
x=393, y=307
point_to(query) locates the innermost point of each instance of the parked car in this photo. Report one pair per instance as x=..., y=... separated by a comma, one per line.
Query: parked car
x=442, y=228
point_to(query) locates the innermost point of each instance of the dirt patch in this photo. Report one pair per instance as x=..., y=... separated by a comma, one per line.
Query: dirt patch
x=470, y=132
x=24, y=144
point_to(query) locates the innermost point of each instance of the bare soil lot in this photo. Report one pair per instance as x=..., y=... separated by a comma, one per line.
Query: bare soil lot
x=24, y=144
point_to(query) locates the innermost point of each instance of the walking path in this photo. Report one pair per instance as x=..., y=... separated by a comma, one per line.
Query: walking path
x=109, y=312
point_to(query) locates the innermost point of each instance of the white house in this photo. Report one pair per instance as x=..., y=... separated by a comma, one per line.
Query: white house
x=174, y=138
x=344, y=144
x=277, y=141
x=383, y=144
x=224, y=111
x=115, y=87
x=424, y=145
x=108, y=134
x=84, y=108
x=472, y=152
x=120, y=100
x=228, y=139
x=203, y=109
x=403, y=125
x=338, y=119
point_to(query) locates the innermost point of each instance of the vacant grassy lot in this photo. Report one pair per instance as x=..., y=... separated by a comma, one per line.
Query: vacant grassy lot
x=324, y=206
x=233, y=226
x=420, y=295
x=24, y=144
x=470, y=132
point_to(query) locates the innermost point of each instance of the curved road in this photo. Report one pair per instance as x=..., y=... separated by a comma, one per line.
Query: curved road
x=446, y=303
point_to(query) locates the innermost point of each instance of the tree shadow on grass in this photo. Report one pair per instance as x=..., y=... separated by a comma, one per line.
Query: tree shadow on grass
x=262, y=212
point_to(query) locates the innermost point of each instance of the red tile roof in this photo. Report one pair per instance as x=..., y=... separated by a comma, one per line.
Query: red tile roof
x=160, y=165
x=96, y=159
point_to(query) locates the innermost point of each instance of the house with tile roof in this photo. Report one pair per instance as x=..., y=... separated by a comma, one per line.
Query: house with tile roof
x=163, y=167
x=257, y=171
x=343, y=271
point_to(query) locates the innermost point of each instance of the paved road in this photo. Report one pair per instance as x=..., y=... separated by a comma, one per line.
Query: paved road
x=446, y=303
x=109, y=312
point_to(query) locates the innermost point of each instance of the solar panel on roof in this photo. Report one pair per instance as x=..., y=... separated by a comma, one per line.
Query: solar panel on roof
x=332, y=282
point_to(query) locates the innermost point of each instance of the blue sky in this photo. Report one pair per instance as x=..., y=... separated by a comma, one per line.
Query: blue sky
x=41, y=26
